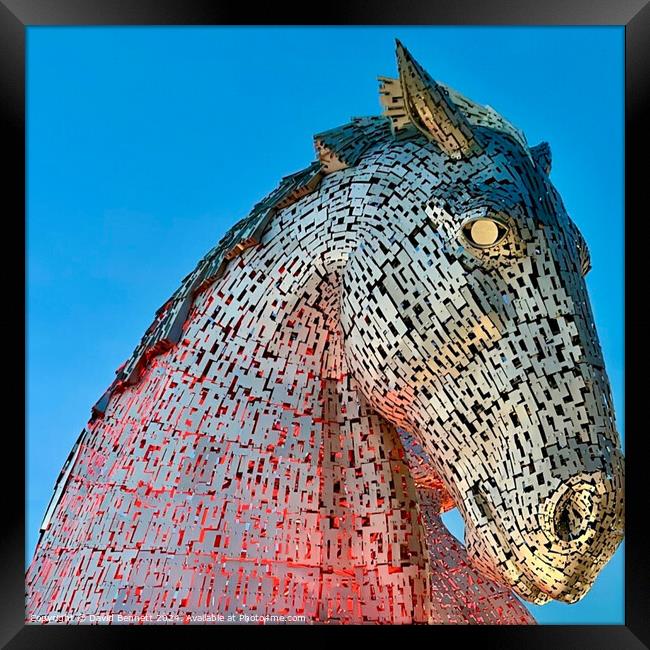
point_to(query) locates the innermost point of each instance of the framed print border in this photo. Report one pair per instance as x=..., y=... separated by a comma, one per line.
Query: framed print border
x=17, y=15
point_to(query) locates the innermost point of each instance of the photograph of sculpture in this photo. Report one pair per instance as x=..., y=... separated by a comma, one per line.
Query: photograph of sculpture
x=369, y=369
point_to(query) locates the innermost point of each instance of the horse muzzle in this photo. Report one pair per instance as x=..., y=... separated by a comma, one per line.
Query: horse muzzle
x=579, y=527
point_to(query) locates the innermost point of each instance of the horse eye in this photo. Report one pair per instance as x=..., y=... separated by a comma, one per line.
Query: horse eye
x=484, y=233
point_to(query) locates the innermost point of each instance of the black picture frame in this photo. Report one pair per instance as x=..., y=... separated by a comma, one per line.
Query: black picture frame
x=17, y=15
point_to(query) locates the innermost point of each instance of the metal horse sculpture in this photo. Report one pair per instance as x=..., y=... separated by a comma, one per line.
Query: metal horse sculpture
x=400, y=328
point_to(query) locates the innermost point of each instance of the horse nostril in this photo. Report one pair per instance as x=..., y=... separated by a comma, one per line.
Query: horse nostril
x=574, y=512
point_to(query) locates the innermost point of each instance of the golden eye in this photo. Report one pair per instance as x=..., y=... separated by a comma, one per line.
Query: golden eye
x=484, y=232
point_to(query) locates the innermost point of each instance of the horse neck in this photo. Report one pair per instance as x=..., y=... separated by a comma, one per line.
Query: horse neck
x=274, y=320
x=281, y=298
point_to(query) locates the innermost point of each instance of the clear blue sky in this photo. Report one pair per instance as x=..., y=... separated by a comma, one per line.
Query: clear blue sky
x=146, y=144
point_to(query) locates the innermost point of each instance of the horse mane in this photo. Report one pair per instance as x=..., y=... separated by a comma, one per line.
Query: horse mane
x=337, y=149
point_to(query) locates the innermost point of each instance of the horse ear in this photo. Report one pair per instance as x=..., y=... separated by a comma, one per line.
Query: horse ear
x=541, y=154
x=431, y=110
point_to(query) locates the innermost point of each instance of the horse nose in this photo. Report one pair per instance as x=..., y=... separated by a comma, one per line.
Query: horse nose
x=575, y=510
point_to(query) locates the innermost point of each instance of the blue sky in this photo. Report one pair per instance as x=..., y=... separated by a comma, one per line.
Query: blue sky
x=146, y=144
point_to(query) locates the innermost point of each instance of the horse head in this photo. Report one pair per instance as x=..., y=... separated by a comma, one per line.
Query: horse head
x=466, y=321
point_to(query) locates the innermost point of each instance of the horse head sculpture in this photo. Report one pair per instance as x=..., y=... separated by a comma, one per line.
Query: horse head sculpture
x=423, y=276
x=478, y=336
